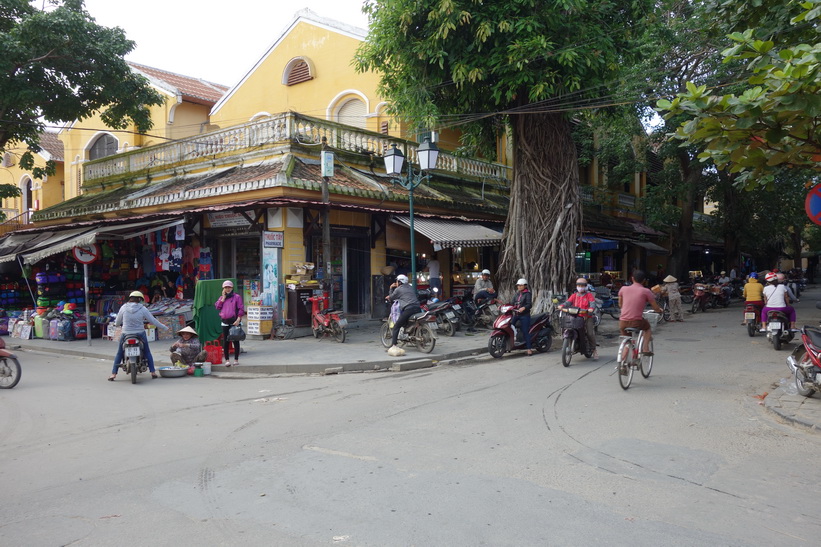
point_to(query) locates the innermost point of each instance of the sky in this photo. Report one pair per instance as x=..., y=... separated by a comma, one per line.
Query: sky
x=215, y=40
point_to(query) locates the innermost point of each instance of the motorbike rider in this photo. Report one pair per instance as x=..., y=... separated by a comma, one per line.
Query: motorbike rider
x=523, y=301
x=585, y=300
x=776, y=299
x=483, y=289
x=632, y=299
x=405, y=294
x=132, y=316
x=724, y=282
x=753, y=293
x=782, y=280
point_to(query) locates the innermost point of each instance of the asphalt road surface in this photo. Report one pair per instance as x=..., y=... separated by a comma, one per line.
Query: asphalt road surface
x=517, y=451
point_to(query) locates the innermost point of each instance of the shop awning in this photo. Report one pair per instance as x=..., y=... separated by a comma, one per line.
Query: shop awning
x=14, y=244
x=61, y=242
x=651, y=247
x=452, y=233
x=599, y=243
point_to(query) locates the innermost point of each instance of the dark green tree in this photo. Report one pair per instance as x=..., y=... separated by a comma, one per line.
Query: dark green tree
x=520, y=66
x=56, y=65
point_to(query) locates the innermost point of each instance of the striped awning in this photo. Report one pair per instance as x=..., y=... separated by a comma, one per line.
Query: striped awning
x=599, y=243
x=452, y=233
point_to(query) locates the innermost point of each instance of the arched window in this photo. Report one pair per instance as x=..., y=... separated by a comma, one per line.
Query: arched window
x=298, y=70
x=28, y=198
x=352, y=113
x=104, y=146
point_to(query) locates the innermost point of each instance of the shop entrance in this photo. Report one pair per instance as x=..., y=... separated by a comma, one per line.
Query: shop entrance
x=238, y=257
x=350, y=270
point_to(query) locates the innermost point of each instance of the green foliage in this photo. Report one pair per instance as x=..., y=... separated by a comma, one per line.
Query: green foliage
x=470, y=63
x=774, y=121
x=58, y=65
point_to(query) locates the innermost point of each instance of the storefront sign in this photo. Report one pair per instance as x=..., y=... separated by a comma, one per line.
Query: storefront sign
x=273, y=240
x=86, y=254
x=221, y=220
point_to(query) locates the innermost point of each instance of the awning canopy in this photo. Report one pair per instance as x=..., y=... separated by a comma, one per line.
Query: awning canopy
x=651, y=247
x=452, y=233
x=64, y=241
x=599, y=243
x=14, y=244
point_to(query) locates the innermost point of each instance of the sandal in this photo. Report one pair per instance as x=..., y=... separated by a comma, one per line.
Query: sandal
x=111, y=378
x=529, y=352
x=154, y=375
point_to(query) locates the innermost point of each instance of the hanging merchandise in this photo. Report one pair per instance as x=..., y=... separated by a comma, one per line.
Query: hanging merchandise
x=179, y=234
x=175, y=264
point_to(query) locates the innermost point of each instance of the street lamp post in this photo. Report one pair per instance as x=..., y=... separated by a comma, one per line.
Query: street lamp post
x=428, y=154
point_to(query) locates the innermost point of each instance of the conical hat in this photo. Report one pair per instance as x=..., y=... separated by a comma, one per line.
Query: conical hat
x=189, y=330
x=670, y=279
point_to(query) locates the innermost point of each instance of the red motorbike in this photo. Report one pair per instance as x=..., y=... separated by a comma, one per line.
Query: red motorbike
x=701, y=296
x=505, y=337
x=9, y=367
x=805, y=362
x=752, y=318
x=325, y=321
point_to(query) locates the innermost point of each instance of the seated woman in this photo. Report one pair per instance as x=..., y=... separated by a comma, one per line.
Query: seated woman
x=187, y=350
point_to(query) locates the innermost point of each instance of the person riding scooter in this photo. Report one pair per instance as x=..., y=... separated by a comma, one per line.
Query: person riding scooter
x=776, y=299
x=753, y=293
x=585, y=299
x=132, y=316
x=405, y=295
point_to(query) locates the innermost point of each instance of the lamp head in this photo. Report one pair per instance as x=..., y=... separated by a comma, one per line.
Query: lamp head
x=428, y=153
x=394, y=159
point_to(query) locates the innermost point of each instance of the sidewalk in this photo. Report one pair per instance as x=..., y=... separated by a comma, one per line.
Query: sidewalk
x=362, y=351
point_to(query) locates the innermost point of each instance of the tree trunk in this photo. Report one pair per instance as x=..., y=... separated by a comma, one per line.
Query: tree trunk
x=731, y=200
x=680, y=258
x=545, y=214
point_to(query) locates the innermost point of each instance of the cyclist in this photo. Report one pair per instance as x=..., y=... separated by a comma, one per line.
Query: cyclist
x=632, y=299
x=585, y=300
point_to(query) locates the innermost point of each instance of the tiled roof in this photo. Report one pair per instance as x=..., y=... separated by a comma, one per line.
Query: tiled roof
x=52, y=145
x=192, y=89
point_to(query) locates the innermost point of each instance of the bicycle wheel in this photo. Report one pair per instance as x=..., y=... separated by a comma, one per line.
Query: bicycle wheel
x=625, y=357
x=9, y=372
x=647, y=361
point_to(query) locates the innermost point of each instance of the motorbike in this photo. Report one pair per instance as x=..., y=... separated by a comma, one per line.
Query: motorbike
x=609, y=302
x=325, y=321
x=9, y=367
x=447, y=321
x=805, y=362
x=417, y=332
x=686, y=291
x=482, y=314
x=700, y=297
x=505, y=337
x=574, y=339
x=719, y=296
x=752, y=318
x=134, y=360
x=778, y=328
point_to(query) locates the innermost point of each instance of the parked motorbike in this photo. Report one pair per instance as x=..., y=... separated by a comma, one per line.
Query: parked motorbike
x=752, y=318
x=505, y=337
x=700, y=297
x=719, y=296
x=447, y=322
x=778, y=328
x=9, y=367
x=327, y=322
x=686, y=291
x=609, y=302
x=418, y=331
x=805, y=362
x=574, y=338
x=134, y=360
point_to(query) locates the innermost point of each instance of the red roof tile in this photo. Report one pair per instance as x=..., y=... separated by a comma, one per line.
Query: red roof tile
x=192, y=89
x=51, y=144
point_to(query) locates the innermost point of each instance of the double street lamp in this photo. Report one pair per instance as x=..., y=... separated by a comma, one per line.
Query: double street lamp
x=428, y=153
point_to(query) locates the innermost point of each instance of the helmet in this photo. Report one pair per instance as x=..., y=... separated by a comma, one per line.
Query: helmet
x=228, y=283
x=754, y=275
x=723, y=272
x=781, y=277
x=136, y=294
x=485, y=272
x=522, y=281
x=770, y=277
x=402, y=278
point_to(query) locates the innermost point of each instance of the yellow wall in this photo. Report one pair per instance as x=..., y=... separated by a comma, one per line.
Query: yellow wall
x=330, y=53
x=50, y=191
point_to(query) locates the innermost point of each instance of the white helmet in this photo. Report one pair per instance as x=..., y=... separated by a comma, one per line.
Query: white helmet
x=402, y=278
x=485, y=272
x=522, y=281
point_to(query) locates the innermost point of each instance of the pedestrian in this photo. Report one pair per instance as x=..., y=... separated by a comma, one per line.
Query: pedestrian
x=187, y=350
x=231, y=311
x=435, y=277
x=671, y=289
x=522, y=303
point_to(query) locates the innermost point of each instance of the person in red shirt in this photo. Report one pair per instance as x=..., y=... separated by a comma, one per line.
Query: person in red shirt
x=585, y=300
x=632, y=300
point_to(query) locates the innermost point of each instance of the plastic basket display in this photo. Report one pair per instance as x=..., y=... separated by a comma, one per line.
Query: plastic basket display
x=572, y=322
x=652, y=318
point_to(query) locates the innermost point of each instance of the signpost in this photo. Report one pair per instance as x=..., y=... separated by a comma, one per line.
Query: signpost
x=85, y=255
x=812, y=204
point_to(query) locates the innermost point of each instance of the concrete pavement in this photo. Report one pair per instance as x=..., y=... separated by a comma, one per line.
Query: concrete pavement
x=362, y=351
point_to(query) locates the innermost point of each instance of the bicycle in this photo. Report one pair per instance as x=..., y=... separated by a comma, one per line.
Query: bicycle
x=629, y=359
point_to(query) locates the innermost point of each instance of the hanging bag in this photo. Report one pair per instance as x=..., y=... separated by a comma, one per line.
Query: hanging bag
x=236, y=334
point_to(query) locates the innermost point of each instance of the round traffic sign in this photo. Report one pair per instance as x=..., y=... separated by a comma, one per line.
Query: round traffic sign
x=86, y=254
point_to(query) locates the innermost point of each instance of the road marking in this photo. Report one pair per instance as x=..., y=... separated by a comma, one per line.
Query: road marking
x=338, y=453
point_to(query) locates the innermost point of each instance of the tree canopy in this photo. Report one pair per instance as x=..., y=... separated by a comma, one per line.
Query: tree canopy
x=57, y=64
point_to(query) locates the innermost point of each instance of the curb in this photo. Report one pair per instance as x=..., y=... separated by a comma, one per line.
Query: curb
x=791, y=419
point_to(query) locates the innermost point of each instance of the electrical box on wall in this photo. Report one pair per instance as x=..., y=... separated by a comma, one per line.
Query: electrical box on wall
x=327, y=163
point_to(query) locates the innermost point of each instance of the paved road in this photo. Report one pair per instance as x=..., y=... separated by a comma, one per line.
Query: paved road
x=518, y=451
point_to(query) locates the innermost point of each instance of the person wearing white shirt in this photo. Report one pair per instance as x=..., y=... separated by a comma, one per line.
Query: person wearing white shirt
x=776, y=299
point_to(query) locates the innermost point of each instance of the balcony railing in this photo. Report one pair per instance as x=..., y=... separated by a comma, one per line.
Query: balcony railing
x=282, y=128
x=15, y=222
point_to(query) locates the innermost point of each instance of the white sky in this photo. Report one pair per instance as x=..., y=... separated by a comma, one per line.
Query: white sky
x=216, y=40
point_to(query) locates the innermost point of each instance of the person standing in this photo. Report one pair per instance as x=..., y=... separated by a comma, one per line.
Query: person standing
x=671, y=289
x=523, y=301
x=435, y=273
x=133, y=316
x=632, y=300
x=231, y=310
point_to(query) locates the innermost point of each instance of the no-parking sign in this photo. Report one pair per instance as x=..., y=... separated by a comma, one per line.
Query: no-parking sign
x=86, y=254
x=813, y=204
